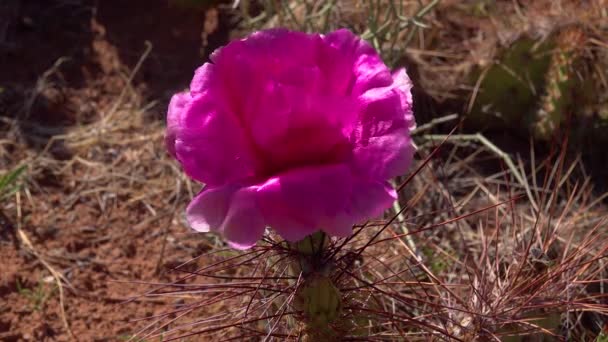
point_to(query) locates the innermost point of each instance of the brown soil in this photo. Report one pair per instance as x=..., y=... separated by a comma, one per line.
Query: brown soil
x=101, y=236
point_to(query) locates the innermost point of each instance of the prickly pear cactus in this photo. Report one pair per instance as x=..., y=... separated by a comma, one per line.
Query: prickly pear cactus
x=561, y=82
x=509, y=89
x=535, y=85
x=596, y=106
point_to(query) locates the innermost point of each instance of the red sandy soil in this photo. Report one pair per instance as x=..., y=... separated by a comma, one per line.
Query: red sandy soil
x=101, y=248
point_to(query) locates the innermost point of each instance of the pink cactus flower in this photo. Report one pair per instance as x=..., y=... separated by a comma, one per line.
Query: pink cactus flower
x=293, y=131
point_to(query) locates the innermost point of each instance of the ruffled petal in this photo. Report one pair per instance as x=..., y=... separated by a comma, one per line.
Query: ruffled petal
x=382, y=144
x=403, y=85
x=229, y=210
x=211, y=146
x=369, y=199
x=385, y=156
x=244, y=224
x=381, y=112
x=337, y=58
x=205, y=79
x=177, y=105
x=242, y=65
x=274, y=83
x=370, y=72
x=352, y=66
x=282, y=47
x=297, y=202
x=208, y=209
x=289, y=222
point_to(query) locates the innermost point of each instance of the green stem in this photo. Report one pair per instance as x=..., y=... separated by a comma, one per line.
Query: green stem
x=317, y=297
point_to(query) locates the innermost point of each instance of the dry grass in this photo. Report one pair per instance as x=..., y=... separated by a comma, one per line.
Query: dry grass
x=445, y=40
x=390, y=26
x=114, y=193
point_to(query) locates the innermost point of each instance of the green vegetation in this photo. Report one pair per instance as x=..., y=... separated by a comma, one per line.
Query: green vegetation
x=9, y=181
x=37, y=296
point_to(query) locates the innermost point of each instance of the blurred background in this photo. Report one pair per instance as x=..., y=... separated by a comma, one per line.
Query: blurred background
x=90, y=202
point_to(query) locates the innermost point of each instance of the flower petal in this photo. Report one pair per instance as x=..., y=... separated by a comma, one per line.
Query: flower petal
x=177, y=105
x=369, y=199
x=211, y=146
x=385, y=156
x=208, y=209
x=229, y=210
x=281, y=46
x=297, y=202
x=337, y=58
x=352, y=66
x=204, y=80
x=383, y=146
x=244, y=223
x=403, y=85
x=243, y=65
x=296, y=129
x=370, y=72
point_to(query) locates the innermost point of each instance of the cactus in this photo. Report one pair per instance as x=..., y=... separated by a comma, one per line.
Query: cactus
x=509, y=88
x=560, y=82
x=534, y=85
x=320, y=302
x=318, y=299
x=596, y=89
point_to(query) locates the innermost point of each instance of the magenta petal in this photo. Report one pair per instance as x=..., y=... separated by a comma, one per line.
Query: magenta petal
x=281, y=46
x=244, y=224
x=211, y=149
x=385, y=156
x=383, y=146
x=177, y=107
x=289, y=222
x=370, y=73
x=337, y=61
x=208, y=209
x=367, y=70
x=381, y=112
x=403, y=84
x=297, y=202
x=203, y=80
x=268, y=54
x=229, y=210
x=369, y=199
x=287, y=226
x=294, y=129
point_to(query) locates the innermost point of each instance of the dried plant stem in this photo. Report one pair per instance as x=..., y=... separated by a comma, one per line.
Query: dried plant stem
x=496, y=150
x=108, y=116
x=25, y=241
x=41, y=83
x=167, y=227
x=434, y=122
x=408, y=238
